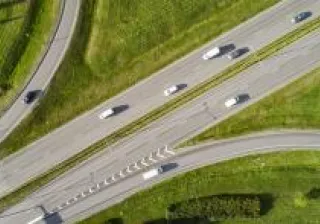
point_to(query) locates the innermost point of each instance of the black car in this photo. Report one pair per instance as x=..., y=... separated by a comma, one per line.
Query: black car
x=30, y=96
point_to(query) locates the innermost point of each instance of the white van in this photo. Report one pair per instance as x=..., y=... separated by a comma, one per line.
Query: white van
x=232, y=101
x=106, y=113
x=152, y=173
x=212, y=53
x=171, y=90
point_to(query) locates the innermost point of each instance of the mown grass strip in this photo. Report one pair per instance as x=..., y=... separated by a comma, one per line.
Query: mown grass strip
x=31, y=43
x=167, y=108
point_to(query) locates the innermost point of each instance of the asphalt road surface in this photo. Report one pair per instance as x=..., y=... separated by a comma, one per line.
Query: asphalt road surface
x=46, y=69
x=48, y=198
x=287, y=65
x=147, y=95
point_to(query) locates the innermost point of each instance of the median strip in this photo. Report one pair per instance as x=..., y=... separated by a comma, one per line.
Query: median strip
x=35, y=183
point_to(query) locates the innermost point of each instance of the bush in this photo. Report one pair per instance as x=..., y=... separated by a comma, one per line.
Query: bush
x=217, y=207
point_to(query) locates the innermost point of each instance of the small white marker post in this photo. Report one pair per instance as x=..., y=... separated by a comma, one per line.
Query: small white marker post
x=106, y=182
x=113, y=178
x=83, y=194
x=90, y=190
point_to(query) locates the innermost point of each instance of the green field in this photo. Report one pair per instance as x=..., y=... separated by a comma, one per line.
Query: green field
x=25, y=27
x=295, y=106
x=117, y=44
x=13, y=19
x=287, y=177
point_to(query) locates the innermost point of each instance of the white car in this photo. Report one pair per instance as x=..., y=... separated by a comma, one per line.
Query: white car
x=212, y=53
x=171, y=90
x=107, y=113
x=231, y=102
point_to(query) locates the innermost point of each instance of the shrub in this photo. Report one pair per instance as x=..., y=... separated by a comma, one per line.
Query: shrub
x=217, y=207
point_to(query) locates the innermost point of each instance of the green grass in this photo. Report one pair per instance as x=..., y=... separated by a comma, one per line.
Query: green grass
x=13, y=19
x=295, y=106
x=119, y=43
x=287, y=176
x=64, y=166
x=31, y=23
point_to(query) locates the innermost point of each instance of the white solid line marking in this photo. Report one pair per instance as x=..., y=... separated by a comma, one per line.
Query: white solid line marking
x=36, y=219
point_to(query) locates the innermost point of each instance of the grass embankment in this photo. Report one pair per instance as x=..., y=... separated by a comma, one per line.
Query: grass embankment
x=13, y=19
x=287, y=177
x=24, y=34
x=295, y=106
x=48, y=176
x=120, y=43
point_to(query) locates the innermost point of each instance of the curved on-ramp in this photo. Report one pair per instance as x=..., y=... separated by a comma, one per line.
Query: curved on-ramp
x=46, y=68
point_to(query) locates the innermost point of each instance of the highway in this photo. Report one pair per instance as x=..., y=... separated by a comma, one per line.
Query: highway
x=289, y=64
x=190, y=70
x=186, y=160
x=44, y=72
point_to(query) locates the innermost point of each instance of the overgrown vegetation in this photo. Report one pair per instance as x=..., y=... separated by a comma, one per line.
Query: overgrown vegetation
x=24, y=34
x=289, y=179
x=216, y=207
x=118, y=44
x=64, y=166
x=14, y=19
x=295, y=106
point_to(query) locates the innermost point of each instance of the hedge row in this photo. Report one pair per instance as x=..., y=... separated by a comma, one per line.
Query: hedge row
x=216, y=207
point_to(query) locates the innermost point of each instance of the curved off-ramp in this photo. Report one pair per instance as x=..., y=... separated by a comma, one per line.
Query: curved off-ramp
x=187, y=159
x=46, y=68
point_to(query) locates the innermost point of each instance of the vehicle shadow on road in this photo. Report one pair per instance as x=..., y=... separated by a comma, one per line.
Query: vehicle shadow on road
x=243, y=98
x=169, y=166
x=226, y=49
x=121, y=108
x=182, y=86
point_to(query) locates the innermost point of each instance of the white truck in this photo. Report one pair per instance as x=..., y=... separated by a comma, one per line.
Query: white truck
x=152, y=173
